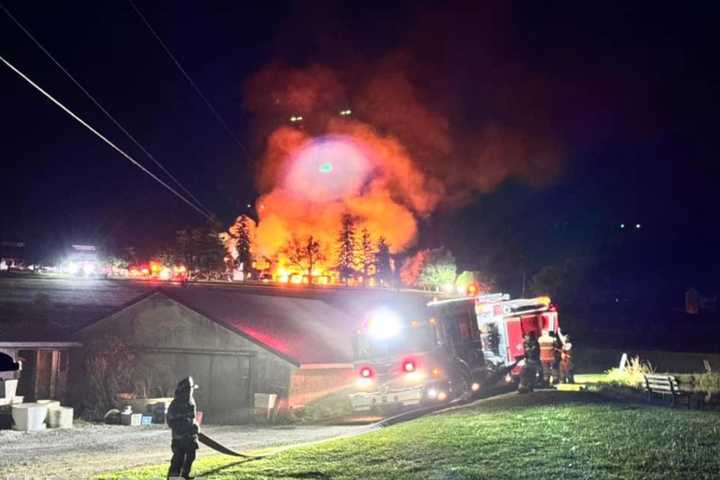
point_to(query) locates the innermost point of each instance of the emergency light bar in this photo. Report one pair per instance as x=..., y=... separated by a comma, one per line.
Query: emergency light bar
x=526, y=305
x=488, y=298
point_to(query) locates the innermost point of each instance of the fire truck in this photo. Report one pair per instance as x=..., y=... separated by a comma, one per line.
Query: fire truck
x=456, y=348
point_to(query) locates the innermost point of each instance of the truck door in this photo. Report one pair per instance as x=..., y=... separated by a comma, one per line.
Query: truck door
x=461, y=333
x=514, y=338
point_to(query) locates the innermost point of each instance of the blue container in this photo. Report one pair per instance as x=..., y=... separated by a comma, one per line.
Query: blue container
x=146, y=420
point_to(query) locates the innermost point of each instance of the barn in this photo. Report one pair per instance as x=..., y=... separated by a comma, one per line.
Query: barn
x=235, y=343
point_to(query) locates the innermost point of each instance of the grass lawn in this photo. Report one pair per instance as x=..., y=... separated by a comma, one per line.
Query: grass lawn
x=539, y=436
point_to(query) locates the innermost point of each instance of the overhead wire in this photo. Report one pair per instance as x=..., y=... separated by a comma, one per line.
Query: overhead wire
x=107, y=114
x=194, y=85
x=103, y=138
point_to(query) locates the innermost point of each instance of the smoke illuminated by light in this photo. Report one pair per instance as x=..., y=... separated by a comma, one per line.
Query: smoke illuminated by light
x=340, y=162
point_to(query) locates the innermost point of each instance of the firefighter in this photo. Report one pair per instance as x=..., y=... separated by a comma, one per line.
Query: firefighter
x=532, y=363
x=557, y=360
x=567, y=369
x=181, y=420
x=547, y=355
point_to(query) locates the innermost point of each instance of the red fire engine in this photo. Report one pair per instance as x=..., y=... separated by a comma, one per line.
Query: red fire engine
x=461, y=346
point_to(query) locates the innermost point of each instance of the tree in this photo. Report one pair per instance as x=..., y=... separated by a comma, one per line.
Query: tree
x=439, y=270
x=238, y=242
x=168, y=256
x=569, y=283
x=383, y=268
x=202, y=252
x=183, y=239
x=346, y=250
x=304, y=255
x=412, y=268
x=211, y=261
x=367, y=253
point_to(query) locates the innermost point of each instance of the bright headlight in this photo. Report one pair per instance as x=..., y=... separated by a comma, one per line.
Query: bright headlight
x=383, y=324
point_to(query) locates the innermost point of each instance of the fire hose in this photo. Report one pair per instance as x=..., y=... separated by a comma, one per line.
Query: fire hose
x=219, y=447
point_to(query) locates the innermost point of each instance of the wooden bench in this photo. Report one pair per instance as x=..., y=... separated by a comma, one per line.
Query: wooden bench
x=658, y=384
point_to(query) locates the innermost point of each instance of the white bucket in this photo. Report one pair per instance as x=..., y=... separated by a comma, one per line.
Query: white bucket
x=29, y=417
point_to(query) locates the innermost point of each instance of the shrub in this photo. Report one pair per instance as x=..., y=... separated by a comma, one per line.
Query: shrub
x=708, y=382
x=109, y=366
x=632, y=374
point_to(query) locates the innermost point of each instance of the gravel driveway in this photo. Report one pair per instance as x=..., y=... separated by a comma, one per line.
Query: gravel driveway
x=89, y=449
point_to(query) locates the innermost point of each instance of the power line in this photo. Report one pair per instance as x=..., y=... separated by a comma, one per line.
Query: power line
x=107, y=114
x=103, y=138
x=189, y=79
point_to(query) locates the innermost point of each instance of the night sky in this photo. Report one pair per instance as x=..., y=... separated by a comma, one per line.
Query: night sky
x=631, y=91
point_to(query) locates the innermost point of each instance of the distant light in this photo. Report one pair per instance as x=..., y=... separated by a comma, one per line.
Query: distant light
x=249, y=206
x=366, y=372
x=297, y=118
x=622, y=225
x=73, y=268
x=326, y=167
x=165, y=274
x=346, y=113
x=475, y=387
x=88, y=268
x=442, y=396
x=432, y=393
x=637, y=226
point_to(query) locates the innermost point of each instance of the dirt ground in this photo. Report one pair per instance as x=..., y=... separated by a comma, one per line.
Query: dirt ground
x=89, y=449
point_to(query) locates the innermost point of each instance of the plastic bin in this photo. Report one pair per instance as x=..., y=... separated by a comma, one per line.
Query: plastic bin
x=60, y=417
x=29, y=417
x=131, y=419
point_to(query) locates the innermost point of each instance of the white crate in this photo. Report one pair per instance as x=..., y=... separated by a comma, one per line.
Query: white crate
x=131, y=419
x=60, y=417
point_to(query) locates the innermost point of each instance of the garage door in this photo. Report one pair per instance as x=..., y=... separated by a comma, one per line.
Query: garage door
x=224, y=378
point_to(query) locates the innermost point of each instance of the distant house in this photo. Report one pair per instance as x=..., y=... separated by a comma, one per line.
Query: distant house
x=12, y=255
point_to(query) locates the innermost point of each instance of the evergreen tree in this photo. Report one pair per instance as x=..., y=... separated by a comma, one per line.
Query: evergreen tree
x=243, y=241
x=346, y=250
x=383, y=269
x=367, y=253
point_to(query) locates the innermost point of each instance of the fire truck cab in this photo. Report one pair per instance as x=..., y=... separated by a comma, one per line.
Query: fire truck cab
x=459, y=347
